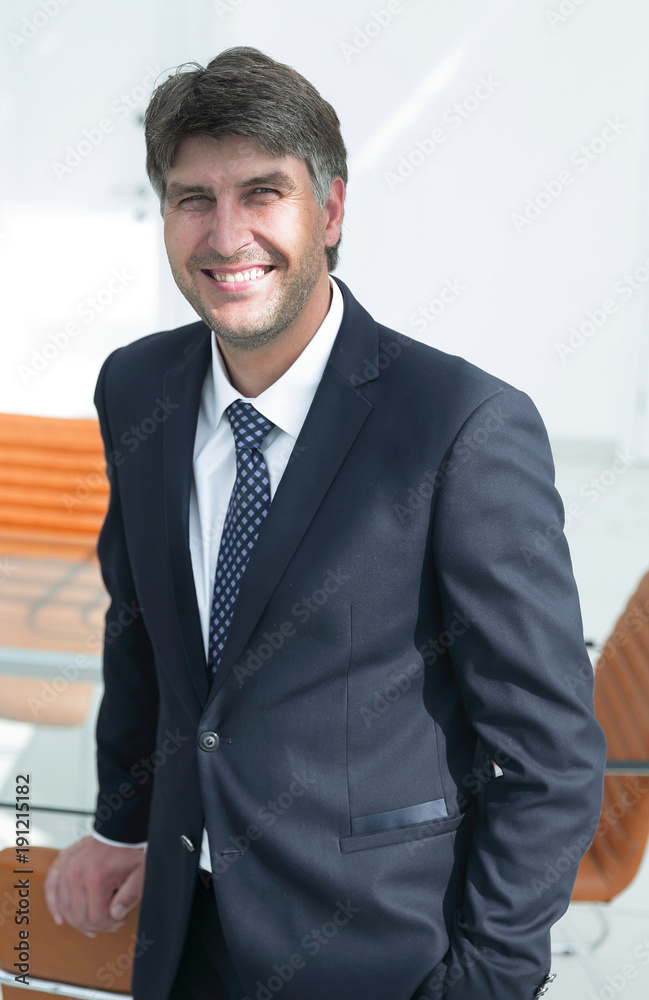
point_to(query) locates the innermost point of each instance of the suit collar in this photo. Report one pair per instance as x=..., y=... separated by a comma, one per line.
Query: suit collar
x=183, y=383
x=356, y=348
x=333, y=422
x=331, y=426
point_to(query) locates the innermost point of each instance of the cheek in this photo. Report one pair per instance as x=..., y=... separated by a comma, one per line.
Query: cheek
x=180, y=241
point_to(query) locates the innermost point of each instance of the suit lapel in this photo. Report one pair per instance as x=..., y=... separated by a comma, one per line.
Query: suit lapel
x=332, y=424
x=183, y=385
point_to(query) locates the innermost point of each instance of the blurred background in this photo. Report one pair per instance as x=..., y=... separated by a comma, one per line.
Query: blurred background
x=498, y=208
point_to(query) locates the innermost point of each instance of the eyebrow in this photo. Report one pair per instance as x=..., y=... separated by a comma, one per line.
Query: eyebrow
x=176, y=189
x=278, y=178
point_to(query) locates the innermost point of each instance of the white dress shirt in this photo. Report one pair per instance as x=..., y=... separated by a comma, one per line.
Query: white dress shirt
x=285, y=403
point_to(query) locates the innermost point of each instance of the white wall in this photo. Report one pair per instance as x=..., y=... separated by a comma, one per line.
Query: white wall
x=554, y=80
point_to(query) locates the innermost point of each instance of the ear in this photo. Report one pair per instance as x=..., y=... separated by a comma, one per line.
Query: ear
x=333, y=210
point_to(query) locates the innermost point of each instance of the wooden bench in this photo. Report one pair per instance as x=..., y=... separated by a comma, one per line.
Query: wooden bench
x=98, y=967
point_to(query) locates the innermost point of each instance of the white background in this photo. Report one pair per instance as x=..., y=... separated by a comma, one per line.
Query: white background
x=556, y=79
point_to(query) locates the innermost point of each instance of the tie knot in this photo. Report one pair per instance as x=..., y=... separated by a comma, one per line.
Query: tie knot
x=248, y=425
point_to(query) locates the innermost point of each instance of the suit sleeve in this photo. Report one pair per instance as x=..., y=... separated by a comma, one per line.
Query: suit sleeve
x=526, y=684
x=127, y=721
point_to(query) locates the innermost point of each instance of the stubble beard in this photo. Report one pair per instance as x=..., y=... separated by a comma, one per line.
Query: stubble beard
x=279, y=313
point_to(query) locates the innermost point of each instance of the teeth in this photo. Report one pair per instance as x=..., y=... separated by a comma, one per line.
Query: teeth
x=253, y=275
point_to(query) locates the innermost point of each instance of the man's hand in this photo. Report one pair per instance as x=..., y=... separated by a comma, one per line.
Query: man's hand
x=93, y=885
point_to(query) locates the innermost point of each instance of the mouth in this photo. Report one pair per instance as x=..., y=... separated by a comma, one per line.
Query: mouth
x=242, y=277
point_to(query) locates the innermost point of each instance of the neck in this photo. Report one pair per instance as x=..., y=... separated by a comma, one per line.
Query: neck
x=251, y=372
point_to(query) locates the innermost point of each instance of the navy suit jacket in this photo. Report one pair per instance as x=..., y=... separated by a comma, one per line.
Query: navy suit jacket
x=407, y=620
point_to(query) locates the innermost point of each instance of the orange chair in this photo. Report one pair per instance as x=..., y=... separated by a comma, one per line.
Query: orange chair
x=53, y=497
x=53, y=490
x=622, y=709
x=61, y=959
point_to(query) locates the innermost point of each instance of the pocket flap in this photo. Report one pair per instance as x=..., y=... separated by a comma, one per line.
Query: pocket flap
x=424, y=812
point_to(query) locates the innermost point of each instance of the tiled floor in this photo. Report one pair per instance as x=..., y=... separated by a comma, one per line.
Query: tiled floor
x=609, y=540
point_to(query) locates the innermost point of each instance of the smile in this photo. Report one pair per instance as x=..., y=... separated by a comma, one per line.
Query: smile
x=252, y=274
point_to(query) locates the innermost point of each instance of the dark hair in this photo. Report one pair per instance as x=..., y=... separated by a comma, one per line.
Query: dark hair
x=242, y=91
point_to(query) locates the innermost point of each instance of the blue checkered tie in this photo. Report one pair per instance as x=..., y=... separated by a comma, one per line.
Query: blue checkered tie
x=249, y=504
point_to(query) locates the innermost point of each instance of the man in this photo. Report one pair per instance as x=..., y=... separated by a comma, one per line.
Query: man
x=353, y=686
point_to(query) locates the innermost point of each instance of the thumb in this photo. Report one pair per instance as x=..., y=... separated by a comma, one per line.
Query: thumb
x=128, y=895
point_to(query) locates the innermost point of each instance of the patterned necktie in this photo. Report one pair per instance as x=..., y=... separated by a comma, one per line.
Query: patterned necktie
x=249, y=504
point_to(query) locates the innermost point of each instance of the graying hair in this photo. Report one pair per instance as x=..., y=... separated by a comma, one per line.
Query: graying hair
x=242, y=91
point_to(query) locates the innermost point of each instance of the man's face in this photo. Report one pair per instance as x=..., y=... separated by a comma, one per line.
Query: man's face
x=244, y=236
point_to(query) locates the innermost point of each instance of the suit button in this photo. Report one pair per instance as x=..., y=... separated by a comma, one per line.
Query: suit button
x=208, y=741
x=187, y=843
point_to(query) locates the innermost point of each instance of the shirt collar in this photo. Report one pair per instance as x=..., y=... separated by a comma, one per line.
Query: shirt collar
x=286, y=402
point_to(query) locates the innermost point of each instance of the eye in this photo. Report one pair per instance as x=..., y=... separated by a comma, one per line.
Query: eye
x=193, y=198
x=263, y=191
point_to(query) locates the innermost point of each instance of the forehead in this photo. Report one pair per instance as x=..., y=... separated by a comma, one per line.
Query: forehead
x=234, y=157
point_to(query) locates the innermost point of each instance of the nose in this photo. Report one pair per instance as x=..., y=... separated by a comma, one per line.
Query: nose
x=229, y=231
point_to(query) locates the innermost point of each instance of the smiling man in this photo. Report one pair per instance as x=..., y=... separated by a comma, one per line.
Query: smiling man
x=245, y=239
x=361, y=682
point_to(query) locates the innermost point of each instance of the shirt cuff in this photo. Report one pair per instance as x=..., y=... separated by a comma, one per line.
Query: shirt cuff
x=115, y=843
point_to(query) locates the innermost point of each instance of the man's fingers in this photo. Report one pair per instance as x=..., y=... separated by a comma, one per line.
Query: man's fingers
x=74, y=902
x=51, y=887
x=92, y=885
x=59, y=903
x=128, y=895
